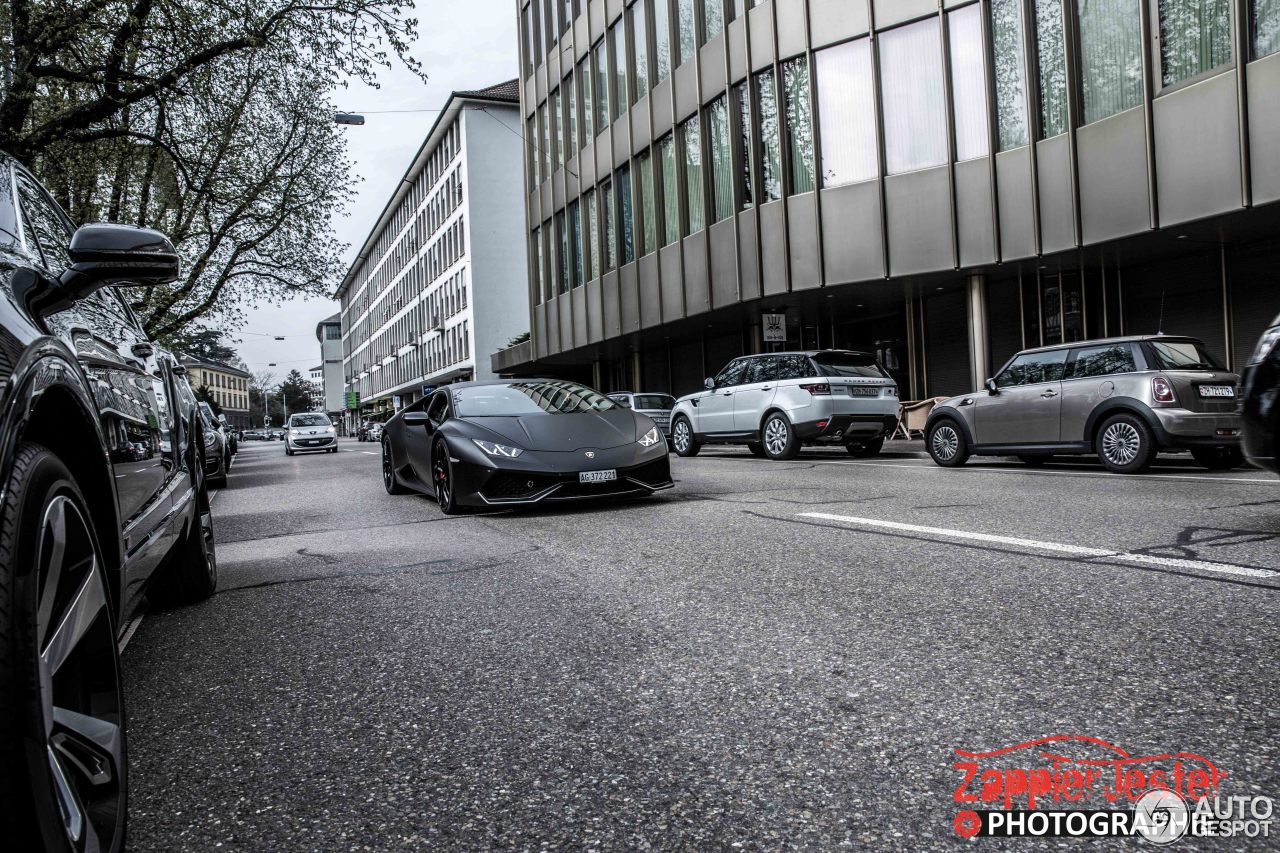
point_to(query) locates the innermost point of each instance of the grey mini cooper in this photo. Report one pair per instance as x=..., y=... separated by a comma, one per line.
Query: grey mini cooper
x=1125, y=399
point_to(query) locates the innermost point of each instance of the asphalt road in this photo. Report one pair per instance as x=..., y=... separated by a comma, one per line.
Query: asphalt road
x=771, y=654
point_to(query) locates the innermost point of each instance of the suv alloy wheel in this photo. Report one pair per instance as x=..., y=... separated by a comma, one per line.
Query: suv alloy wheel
x=682, y=438
x=779, y=438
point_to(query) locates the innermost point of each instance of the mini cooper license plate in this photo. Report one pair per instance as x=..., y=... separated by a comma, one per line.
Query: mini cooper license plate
x=597, y=476
x=1217, y=391
x=864, y=391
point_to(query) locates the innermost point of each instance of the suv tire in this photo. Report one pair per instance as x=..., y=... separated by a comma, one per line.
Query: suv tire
x=866, y=449
x=947, y=445
x=756, y=448
x=1219, y=458
x=779, y=437
x=43, y=501
x=1125, y=444
x=682, y=438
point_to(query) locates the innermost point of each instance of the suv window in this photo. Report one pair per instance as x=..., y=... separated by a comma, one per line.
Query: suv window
x=654, y=401
x=732, y=375
x=763, y=368
x=794, y=367
x=1032, y=368
x=50, y=232
x=621, y=399
x=848, y=364
x=1103, y=361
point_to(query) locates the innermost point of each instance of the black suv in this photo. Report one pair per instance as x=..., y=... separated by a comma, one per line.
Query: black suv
x=102, y=500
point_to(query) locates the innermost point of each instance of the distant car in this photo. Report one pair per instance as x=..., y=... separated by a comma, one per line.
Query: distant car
x=374, y=432
x=656, y=406
x=362, y=432
x=1260, y=402
x=309, y=432
x=217, y=457
x=1125, y=399
x=229, y=434
x=517, y=442
x=779, y=402
x=251, y=435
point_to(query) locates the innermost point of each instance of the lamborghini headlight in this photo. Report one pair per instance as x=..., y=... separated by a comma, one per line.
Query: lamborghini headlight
x=502, y=450
x=651, y=438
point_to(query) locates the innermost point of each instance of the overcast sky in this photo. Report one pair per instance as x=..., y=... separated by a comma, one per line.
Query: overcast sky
x=462, y=45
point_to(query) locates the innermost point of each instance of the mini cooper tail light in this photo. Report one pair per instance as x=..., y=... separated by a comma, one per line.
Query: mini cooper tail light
x=817, y=388
x=1162, y=390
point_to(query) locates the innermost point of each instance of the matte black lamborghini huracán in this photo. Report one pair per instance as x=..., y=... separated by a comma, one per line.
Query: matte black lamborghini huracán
x=102, y=499
x=521, y=441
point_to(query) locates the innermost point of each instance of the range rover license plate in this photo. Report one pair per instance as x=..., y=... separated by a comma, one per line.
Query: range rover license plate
x=1217, y=391
x=864, y=391
x=597, y=476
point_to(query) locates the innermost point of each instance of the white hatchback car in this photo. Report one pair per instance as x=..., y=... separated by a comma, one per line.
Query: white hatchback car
x=310, y=431
x=776, y=403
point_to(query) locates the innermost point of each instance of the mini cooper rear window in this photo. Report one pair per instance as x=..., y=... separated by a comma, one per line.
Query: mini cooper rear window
x=528, y=398
x=848, y=364
x=1183, y=355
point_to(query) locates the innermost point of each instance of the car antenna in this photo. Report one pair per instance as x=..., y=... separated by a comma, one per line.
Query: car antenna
x=1160, y=321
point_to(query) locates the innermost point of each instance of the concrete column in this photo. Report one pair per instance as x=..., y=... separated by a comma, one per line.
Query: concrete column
x=597, y=376
x=976, y=293
x=637, y=373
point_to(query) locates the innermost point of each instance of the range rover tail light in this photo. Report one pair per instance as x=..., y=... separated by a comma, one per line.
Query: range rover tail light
x=818, y=389
x=1161, y=390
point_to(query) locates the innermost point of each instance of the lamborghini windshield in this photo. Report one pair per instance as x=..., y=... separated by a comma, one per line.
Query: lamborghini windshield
x=534, y=397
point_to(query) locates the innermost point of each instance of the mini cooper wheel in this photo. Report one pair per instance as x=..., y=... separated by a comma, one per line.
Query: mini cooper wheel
x=442, y=480
x=63, y=782
x=947, y=445
x=1219, y=458
x=682, y=438
x=1125, y=444
x=866, y=449
x=779, y=438
x=388, y=472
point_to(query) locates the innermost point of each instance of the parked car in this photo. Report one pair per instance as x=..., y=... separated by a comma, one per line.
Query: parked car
x=374, y=431
x=252, y=435
x=515, y=442
x=233, y=443
x=779, y=402
x=104, y=501
x=1260, y=402
x=656, y=406
x=309, y=432
x=1125, y=399
x=362, y=433
x=217, y=458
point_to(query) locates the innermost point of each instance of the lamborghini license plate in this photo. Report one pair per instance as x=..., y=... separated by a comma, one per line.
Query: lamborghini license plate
x=597, y=476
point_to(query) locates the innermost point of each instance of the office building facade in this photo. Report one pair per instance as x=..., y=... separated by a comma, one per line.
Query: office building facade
x=328, y=374
x=227, y=385
x=439, y=284
x=941, y=181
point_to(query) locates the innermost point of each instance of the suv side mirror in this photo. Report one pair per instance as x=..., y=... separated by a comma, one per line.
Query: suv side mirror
x=709, y=384
x=103, y=254
x=992, y=388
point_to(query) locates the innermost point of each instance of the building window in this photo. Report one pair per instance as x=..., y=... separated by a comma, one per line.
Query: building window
x=575, y=242
x=531, y=46
x=691, y=143
x=618, y=37
x=532, y=163
x=1195, y=37
x=911, y=79
x=626, y=216
x=968, y=82
x=686, y=30
x=720, y=140
x=562, y=259
x=544, y=124
x=593, y=236
x=670, y=190
x=610, y=226
x=549, y=22
x=586, y=116
x=846, y=109
x=1265, y=27
x=557, y=139
x=1051, y=52
x=712, y=19
x=1010, y=73
x=648, y=213
x=661, y=39
x=770, y=137
x=1110, y=57
x=795, y=81
x=570, y=117
x=568, y=14
x=639, y=51
x=600, y=86
x=746, y=173
x=540, y=273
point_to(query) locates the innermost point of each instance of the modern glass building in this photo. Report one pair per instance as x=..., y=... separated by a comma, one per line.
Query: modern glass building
x=941, y=181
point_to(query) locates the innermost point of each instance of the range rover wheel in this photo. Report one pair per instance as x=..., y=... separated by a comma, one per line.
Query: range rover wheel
x=1219, y=458
x=756, y=448
x=682, y=438
x=1125, y=444
x=388, y=472
x=779, y=438
x=946, y=444
x=63, y=767
x=866, y=449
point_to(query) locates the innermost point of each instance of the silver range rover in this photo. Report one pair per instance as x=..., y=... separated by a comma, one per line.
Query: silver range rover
x=656, y=406
x=1125, y=399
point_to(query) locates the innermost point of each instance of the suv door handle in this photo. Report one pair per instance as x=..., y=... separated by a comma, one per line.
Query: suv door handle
x=1049, y=394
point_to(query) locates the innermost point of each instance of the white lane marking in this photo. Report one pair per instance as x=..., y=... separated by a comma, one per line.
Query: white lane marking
x=129, y=631
x=213, y=495
x=986, y=469
x=1052, y=547
x=370, y=452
